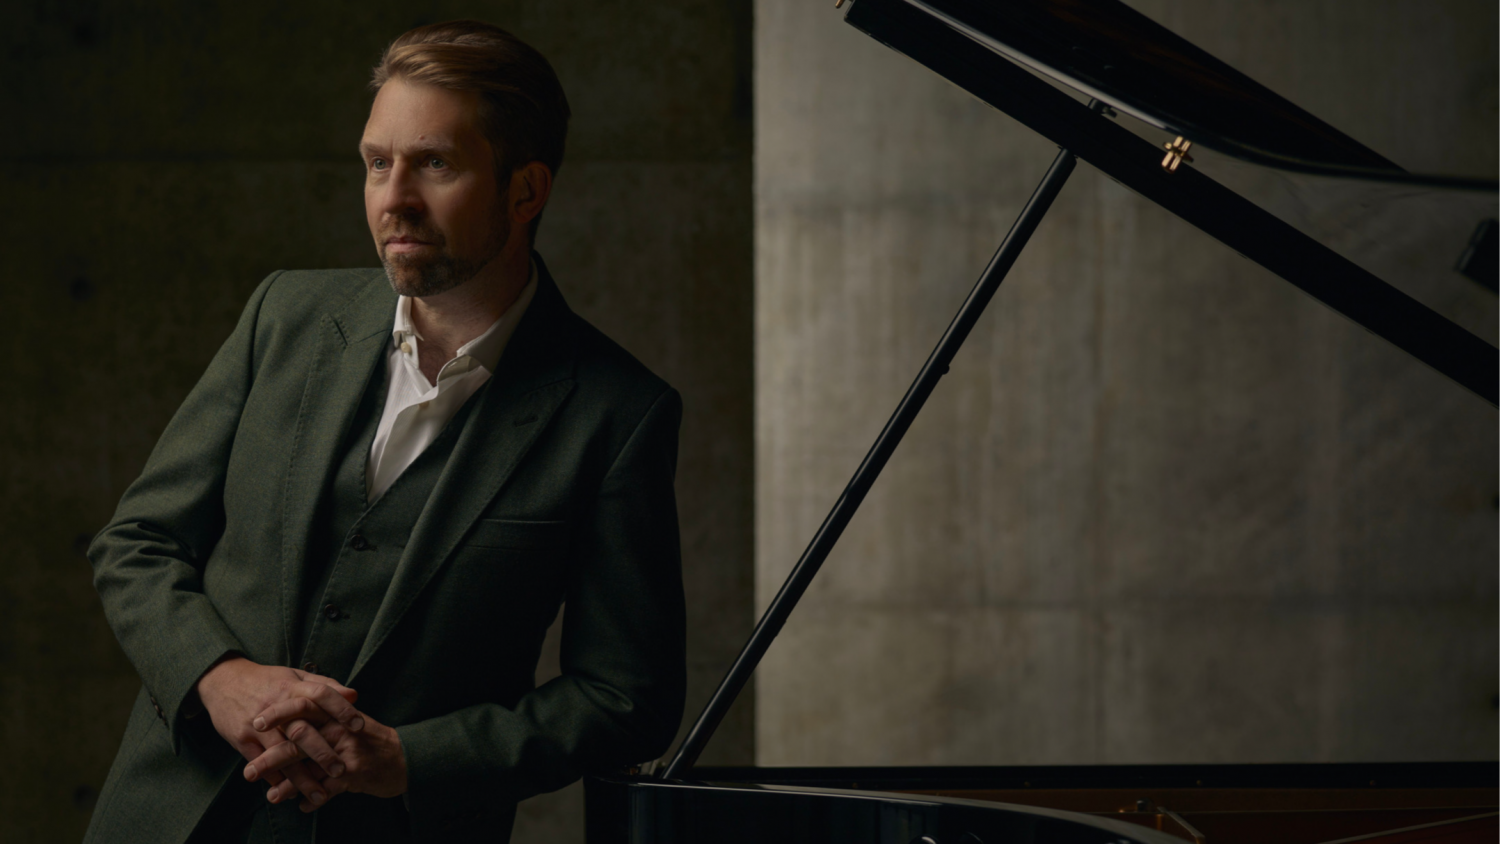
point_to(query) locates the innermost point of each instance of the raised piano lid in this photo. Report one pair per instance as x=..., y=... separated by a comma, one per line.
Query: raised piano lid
x=995, y=50
x=1117, y=55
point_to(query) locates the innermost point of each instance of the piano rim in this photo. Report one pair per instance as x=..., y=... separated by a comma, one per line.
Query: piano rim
x=1358, y=787
x=1296, y=775
x=621, y=810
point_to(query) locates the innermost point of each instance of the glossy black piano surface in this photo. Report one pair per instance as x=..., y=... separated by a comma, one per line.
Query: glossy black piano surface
x=1451, y=803
x=1112, y=52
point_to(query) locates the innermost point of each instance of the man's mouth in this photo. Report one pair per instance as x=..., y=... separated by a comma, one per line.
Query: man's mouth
x=404, y=244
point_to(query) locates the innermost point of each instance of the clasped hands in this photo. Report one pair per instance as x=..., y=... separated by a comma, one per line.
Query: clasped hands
x=301, y=733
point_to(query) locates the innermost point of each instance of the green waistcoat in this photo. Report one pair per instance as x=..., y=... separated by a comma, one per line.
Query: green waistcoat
x=356, y=545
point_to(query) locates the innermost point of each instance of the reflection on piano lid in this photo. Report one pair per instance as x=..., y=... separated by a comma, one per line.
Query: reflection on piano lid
x=1124, y=62
x=1120, y=57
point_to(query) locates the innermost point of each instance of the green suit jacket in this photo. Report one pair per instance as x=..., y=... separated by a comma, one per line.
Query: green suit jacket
x=560, y=487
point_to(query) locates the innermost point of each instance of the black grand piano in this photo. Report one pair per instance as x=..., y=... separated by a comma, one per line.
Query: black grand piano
x=1116, y=62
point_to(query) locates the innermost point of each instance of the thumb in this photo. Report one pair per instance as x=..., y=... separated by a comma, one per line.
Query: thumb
x=347, y=693
x=344, y=691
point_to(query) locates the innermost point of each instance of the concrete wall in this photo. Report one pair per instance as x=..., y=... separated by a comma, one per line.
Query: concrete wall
x=1165, y=508
x=162, y=158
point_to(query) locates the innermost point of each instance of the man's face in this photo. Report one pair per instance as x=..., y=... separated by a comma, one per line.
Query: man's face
x=431, y=200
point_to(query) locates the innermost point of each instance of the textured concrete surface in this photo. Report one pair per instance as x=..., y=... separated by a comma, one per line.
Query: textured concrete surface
x=168, y=156
x=1165, y=507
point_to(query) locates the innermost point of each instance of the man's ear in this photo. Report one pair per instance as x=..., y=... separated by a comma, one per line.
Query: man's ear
x=530, y=186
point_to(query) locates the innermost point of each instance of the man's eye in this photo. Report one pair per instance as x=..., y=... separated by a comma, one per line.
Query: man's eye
x=437, y=163
x=377, y=164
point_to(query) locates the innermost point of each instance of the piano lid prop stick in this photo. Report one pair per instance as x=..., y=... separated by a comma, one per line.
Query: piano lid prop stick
x=833, y=526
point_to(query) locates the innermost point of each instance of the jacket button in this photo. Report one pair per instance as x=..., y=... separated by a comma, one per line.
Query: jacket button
x=310, y=667
x=331, y=612
x=359, y=543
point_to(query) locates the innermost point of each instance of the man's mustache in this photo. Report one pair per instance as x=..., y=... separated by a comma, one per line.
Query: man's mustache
x=409, y=232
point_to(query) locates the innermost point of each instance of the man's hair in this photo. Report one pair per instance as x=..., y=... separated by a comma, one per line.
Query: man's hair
x=522, y=109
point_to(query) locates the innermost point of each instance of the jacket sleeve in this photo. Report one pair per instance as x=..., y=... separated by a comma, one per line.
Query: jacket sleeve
x=619, y=698
x=148, y=561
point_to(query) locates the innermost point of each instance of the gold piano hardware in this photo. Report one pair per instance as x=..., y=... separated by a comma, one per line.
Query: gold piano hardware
x=1177, y=152
x=838, y=4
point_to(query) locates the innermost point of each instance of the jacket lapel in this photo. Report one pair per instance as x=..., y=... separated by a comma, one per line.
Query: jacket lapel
x=532, y=380
x=352, y=342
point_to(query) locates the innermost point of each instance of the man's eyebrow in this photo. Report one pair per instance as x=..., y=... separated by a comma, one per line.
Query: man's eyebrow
x=441, y=148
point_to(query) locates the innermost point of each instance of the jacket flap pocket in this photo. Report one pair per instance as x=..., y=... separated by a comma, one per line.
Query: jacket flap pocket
x=517, y=535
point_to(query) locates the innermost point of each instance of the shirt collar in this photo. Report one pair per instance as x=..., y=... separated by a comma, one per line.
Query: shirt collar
x=487, y=347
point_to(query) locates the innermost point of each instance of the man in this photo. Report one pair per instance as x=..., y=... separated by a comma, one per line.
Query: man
x=336, y=570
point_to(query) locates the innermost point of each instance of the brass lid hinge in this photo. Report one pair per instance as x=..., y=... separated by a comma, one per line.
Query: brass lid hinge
x=1177, y=152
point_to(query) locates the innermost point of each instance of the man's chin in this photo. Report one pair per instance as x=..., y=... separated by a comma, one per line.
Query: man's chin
x=418, y=278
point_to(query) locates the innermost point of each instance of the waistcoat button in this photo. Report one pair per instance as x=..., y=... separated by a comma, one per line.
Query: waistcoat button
x=331, y=612
x=359, y=543
x=310, y=667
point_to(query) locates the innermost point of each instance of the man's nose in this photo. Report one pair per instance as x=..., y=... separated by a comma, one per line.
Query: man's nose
x=401, y=195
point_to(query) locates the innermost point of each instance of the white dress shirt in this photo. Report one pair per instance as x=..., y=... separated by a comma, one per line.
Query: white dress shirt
x=415, y=410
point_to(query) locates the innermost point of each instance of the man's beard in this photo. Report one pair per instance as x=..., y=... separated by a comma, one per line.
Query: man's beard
x=418, y=275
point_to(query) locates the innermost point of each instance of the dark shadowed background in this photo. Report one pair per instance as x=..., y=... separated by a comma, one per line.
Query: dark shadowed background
x=162, y=158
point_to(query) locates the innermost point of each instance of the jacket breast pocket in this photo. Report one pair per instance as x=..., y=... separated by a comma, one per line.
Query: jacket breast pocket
x=513, y=574
x=516, y=535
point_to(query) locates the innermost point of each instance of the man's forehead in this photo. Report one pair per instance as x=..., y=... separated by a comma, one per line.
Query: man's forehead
x=421, y=117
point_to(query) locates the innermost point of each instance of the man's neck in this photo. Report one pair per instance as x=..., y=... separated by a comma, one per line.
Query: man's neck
x=452, y=318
